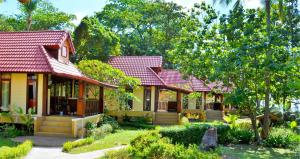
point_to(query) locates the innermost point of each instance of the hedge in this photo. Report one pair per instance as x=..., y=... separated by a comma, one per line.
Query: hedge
x=68, y=146
x=16, y=152
x=193, y=134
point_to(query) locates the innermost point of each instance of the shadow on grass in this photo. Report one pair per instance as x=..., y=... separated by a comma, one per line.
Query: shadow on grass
x=256, y=152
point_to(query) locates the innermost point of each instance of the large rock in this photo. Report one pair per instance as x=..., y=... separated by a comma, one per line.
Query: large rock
x=209, y=140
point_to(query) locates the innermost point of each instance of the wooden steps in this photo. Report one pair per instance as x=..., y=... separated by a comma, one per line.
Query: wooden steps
x=166, y=118
x=55, y=126
x=214, y=115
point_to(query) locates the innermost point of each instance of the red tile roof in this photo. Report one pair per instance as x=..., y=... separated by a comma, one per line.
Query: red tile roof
x=142, y=67
x=174, y=77
x=25, y=52
x=139, y=67
x=218, y=87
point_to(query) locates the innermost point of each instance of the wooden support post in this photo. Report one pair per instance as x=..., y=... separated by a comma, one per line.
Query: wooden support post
x=45, y=95
x=205, y=96
x=179, y=104
x=221, y=101
x=156, y=99
x=101, y=100
x=81, y=99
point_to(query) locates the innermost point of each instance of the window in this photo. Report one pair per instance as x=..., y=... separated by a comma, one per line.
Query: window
x=147, y=99
x=32, y=92
x=129, y=101
x=5, y=91
x=185, y=101
x=64, y=51
x=199, y=102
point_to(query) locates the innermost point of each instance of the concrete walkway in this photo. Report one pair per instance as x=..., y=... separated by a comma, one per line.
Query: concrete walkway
x=55, y=153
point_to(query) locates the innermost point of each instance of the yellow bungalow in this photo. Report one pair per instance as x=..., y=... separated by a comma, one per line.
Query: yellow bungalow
x=35, y=73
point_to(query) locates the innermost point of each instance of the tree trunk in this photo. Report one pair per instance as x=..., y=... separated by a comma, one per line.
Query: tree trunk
x=266, y=120
x=29, y=21
x=254, y=127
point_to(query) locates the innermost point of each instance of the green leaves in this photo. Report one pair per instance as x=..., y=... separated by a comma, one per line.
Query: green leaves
x=93, y=41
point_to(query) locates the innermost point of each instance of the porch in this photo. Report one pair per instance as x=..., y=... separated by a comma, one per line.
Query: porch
x=69, y=104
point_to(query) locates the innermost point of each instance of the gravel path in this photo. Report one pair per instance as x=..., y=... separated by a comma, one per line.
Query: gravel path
x=56, y=153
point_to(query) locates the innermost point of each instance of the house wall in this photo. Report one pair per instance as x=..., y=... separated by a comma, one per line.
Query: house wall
x=192, y=103
x=18, y=90
x=40, y=95
x=138, y=102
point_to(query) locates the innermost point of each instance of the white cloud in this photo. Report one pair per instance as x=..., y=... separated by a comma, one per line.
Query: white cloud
x=187, y=3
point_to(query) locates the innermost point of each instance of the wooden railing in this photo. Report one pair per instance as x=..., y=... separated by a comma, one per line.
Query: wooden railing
x=92, y=107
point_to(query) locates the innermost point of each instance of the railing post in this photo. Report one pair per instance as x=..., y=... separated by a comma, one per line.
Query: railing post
x=81, y=102
x=179, y=104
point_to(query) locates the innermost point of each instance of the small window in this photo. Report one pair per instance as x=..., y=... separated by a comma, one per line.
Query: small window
x=5, y=91
x=185, y=101
x=129, y=101
x=147, y=99
x=64, y=51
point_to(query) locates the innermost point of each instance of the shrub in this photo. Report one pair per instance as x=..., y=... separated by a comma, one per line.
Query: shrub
x=101, y=131
x=68, y=146
x=10, y=131
x=118, y=154
x=281, y=138
x=106, y=119
x=16, y=152
x=139, y=125
x=184, y=121
x=152, y=145
x=90, y=126
x=242, y=136
x=192, y=134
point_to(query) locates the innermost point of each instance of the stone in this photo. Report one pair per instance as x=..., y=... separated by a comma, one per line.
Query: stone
x=209, y=140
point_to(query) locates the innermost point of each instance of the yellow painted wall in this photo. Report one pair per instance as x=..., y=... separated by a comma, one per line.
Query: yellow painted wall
x=138, y=102
x=152, y=98
x=192, y=103
x=18, y=90
x=40, y=95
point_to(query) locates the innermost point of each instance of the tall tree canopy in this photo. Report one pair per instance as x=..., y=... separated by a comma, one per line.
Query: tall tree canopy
x=144, y=27
x=236, y=49
x=93, y=41
x=38, y=15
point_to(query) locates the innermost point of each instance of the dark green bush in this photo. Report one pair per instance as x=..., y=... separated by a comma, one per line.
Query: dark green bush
x=152, y=145
x=241, y=136
x=192, y=134
x=90, y=126
x=100, y=132
x=68, y=146
x=16, y=152
x=106, y=119
x=10, y=131
x=281, y=138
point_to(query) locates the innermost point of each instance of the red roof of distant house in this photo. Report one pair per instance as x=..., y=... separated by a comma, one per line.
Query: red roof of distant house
x=144, y=67
x=139, y=67
x=26, y=52
x=174, y=77
x=219, y=87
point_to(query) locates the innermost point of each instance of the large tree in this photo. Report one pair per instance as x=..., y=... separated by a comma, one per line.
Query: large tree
x=144, y=27
x=235, y=50
x=39, y=15
x=93, y=41
x=268, y=70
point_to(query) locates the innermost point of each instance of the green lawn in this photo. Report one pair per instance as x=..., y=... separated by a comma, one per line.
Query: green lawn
x=7, y=142
x=252, y=152
x=121, y=137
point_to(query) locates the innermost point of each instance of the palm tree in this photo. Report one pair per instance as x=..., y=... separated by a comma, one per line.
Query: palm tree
x=29, y=7
x=267, y=3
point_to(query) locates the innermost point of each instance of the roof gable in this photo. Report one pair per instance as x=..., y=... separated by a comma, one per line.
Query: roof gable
x=139, y=67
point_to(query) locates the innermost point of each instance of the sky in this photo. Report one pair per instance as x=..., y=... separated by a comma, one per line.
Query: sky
x=82, y=8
